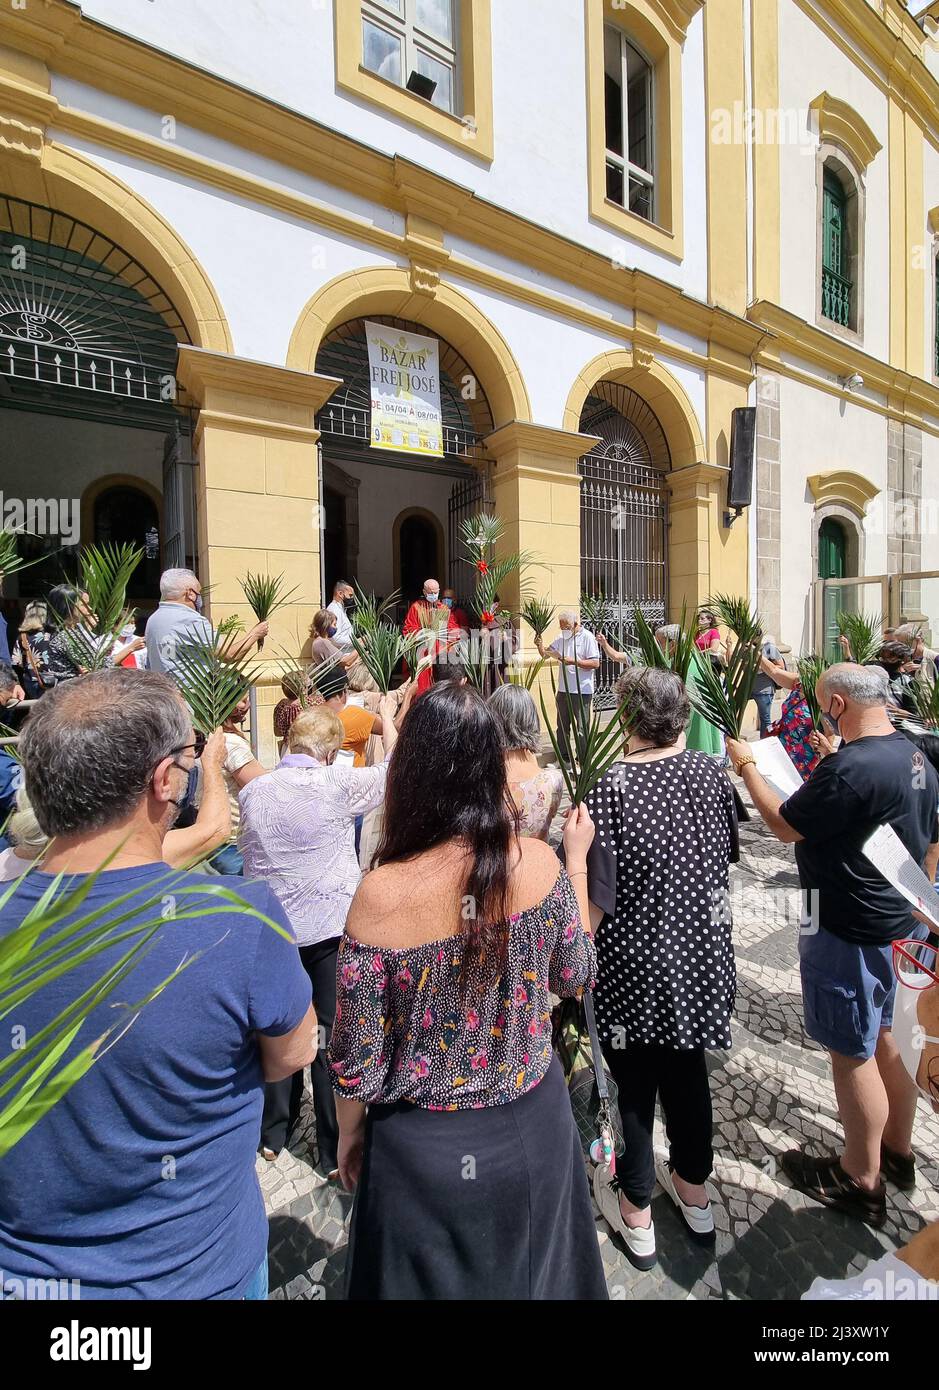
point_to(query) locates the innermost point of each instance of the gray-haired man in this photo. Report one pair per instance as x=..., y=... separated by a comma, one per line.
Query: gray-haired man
x=577, y=651
x=140, y=1182
x=877, y=777
x=180, y=616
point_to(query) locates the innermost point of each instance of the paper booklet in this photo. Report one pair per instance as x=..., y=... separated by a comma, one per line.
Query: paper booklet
x=775, y=764
x=887, y=852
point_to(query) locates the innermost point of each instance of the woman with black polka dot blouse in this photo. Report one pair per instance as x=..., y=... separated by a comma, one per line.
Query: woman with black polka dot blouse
x=666, y=832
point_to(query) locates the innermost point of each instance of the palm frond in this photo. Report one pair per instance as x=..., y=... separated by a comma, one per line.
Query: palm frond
x=525, y=676
x=736, y=614
x=480, y=533
x=594, y=743
x=11, y=561
x=598, y=613
x=653, y=654
x=104, y=574
x=926, y=697
x=863, y=631
x=230, y=625
x=9, y=742
x=722, y=698
x=369, y=610
x=265, y=594
x=57, y=937
x=811, y=668
x=538, y=614
x=210, y=680
x=382, y=650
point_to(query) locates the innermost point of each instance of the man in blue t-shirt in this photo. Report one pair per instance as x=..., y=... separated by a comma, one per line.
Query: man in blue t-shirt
x=877, y=777
x=140, y=1182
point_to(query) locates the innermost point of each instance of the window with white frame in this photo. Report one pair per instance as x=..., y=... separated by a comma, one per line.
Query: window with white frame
x=414, y=43
x=630, y=168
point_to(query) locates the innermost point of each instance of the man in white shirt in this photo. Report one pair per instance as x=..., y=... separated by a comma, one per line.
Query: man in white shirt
x=179, y=617
x=577, y=651
x=343, y=593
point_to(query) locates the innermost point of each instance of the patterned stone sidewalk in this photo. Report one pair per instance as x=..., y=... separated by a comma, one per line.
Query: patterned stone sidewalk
x=771, y=1092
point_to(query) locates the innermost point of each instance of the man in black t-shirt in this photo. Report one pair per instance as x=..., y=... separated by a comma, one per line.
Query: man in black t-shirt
x=877, y=777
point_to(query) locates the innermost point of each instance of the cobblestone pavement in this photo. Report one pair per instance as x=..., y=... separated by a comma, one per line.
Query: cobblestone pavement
x=771, y=1092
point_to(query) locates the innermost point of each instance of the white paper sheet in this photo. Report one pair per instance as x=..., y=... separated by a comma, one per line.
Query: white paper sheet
x=775, y=764
x=889, y=855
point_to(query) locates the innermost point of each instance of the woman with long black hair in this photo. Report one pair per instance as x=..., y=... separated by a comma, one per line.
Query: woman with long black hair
x=466, y=1165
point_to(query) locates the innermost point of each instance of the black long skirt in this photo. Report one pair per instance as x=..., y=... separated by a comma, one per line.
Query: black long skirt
x=475, y=1204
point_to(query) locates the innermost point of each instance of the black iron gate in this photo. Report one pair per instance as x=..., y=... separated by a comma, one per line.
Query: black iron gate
x=469, y=497
x=623, y=521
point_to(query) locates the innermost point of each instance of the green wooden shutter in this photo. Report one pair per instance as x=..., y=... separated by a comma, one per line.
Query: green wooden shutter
x=831, y=550
x=833, y=249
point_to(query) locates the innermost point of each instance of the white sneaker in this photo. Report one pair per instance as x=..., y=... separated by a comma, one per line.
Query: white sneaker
x=639, y=1240
x=699, y=1220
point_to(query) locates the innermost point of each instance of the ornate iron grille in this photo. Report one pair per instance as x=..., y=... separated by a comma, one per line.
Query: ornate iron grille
x=77, y=313
x=623, y=520
x=469, y=496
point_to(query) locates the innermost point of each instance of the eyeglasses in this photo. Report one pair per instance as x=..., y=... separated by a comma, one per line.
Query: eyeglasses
x=916, y=964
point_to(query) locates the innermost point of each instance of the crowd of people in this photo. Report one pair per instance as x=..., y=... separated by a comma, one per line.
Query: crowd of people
x=405, y=921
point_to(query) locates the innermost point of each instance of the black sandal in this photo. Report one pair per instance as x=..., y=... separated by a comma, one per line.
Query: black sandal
x=825, y=1181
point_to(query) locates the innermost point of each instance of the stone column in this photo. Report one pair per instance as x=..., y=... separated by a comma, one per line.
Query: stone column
x=695, y=493
x=257, y=496
x=767, y=502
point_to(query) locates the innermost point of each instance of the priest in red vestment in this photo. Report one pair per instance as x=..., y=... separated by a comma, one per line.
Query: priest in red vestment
x=428, y=614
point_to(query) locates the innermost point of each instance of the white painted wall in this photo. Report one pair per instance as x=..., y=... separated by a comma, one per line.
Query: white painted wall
x=930, y=251
x=809, y=65
x=285, y=51
x=819, y=433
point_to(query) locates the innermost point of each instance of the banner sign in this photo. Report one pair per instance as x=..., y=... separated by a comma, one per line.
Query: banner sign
x=404, y=377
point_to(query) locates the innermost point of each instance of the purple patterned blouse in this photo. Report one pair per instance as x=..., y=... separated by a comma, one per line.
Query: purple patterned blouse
x=404, y=1031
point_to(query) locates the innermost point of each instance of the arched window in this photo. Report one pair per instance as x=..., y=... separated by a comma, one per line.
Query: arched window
x=629, y=107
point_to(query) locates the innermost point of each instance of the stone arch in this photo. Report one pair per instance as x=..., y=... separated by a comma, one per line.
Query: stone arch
x=388, y=290
x=657, y=387
x=74, y=184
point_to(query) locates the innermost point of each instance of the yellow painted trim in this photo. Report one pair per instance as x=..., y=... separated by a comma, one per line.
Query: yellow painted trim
x=726, y=161
x=472, y=133
x=884, y=43
x=387, y=290
x=72, y=183
x=658, y=388
x=543, y=440
x=142, y=75
x=839, y=485
x=645, y=23
x=199, y=371
x=840, y=124
x=912, y=396
x=767, y=214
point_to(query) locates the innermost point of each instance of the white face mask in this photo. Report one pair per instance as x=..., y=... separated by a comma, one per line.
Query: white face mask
x=911, y=1038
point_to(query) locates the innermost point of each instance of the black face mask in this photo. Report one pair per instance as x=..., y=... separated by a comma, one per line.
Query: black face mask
x=348, y=602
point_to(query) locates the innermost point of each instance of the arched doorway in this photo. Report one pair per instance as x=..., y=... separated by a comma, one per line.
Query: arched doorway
x=428, y=495
x=125, y=515
x=88, y=349
x=418, y=541
x=623, y=517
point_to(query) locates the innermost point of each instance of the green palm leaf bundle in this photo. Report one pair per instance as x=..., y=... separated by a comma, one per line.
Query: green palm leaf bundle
x=230, y=625
x=9, y=742
x=595, y=742
x=104, y=572
x=525, y=676
x=210, y=680
x=736, y=614
x=538, y=614
x=382, y=650
x=863, y=632
x=597, y=612
x=10, y=559
x=652, y=653
x=45, y=946
x=926, y=697
x=722, y=698
x=811, y=668
x=369, y=611
x=474, y=658
x=265, y=594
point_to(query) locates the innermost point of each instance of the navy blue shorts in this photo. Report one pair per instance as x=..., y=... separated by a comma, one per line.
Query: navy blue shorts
x=847, y=990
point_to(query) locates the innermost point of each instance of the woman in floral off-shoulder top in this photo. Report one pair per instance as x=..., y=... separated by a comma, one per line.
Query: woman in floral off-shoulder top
x=456, y=1131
